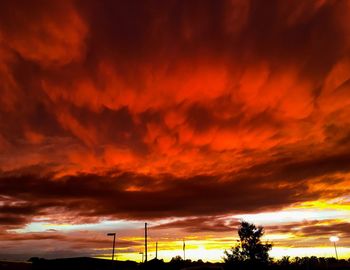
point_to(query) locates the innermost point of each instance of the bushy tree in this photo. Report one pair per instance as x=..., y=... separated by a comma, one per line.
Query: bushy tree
x=250, y=249
x=176, y=259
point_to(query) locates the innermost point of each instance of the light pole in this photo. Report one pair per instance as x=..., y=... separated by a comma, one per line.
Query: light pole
x=184, y=248
x=112, y=234
x=334, y=239
x=142, y=256
x=145, y=242
x=156, y=250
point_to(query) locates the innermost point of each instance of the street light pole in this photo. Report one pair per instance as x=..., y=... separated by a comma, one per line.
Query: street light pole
x=141, y=256
x=184, y=249
x=334, y=239
x=335, y=248
x=145, y=242
x=112, y=234
x=156, y=250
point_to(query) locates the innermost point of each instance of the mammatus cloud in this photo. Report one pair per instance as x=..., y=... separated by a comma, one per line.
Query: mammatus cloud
x=192, y=110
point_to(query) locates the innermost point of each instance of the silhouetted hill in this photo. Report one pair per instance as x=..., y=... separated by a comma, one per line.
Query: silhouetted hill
x=5, y=265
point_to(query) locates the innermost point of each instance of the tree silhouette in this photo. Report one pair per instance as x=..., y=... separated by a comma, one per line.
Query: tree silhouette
x=176, y=259
x=250, y=249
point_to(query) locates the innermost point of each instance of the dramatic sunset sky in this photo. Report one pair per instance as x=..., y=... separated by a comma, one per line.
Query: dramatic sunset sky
x=188, y=115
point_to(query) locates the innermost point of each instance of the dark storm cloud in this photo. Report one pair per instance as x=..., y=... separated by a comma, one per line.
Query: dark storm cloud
x=74, y=240
x=340, y=228
x=317, y=232
x=135, y=196
x=201, y=224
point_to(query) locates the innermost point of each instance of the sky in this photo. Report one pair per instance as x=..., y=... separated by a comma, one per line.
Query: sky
x=188, y=115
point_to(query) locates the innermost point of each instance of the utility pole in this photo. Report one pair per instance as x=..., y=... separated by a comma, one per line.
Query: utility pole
x=156, y=250
x=145, y=242
x=112, y=234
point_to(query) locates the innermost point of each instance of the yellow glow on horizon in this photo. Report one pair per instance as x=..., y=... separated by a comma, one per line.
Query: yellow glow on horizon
x=324, y=251
x=216, y=255
x=212, y=248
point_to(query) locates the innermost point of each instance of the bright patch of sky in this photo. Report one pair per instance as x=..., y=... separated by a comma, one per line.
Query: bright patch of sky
x=290, y=216
x=102, y=226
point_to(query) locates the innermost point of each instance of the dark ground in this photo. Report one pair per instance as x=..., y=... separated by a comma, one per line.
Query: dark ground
x=85, y=263
x=101, y=264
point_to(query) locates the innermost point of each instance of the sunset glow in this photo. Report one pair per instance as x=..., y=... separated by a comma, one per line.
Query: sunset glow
x=188, y=115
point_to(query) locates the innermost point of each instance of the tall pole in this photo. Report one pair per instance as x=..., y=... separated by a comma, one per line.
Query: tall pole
x=145, y=242
x=156, y=250
x=334, y=239
x=141, y=256
x=112, y=234
x=113, y=247
x=184, y=249
x=335, y=248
